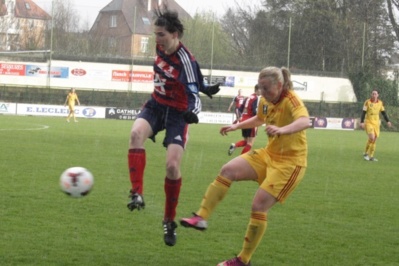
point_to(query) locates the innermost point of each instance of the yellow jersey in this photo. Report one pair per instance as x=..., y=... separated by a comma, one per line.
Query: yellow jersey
x=71, y=98
x=373, y=110
x=291, y=147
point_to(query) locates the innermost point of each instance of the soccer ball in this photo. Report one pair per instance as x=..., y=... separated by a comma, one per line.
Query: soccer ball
x=76, y=182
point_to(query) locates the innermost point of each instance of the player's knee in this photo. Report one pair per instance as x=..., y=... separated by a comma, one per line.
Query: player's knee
x=228, y=171
x=136, y=137
x=172, y=169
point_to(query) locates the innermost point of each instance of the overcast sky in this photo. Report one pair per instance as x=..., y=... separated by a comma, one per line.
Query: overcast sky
x=89, y=9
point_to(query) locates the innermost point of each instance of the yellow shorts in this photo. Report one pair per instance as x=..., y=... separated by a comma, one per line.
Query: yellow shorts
x=372, y=129
x=277, y=177
x=71, y=107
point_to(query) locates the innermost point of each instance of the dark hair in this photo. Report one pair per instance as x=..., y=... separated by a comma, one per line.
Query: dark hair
x=169, y=19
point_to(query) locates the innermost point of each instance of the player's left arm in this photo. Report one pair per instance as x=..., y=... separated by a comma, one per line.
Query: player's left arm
x=300, y=121
x=384, y=114
x=297, y=125
x=208, y=90
x=193, y=103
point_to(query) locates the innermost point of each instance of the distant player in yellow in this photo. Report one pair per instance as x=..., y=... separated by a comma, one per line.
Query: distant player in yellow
x=71, y=98
x=370, y=121
x=278, y=168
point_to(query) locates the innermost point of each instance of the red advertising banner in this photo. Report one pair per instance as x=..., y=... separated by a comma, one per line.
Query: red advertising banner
x=135, y=76
x=121, y=75
x=12, y=69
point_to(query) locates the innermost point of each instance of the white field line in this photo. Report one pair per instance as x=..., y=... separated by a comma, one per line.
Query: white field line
x=40, y=127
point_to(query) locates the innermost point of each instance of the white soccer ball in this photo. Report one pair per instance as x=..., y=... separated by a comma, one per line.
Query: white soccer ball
x=76, y=182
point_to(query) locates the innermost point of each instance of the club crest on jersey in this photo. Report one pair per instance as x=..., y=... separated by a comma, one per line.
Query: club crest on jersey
x=264, y=109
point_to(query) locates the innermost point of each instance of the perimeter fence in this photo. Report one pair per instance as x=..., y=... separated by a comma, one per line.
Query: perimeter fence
x=135, y=100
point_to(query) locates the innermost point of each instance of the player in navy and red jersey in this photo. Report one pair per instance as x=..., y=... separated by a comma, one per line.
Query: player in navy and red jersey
x=237, y=102
x=174, y=104
x=249, y=108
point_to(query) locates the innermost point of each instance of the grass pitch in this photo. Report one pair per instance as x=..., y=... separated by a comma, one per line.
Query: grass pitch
x=345, y=211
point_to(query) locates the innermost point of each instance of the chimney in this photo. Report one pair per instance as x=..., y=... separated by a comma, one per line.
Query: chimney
x=153, y=4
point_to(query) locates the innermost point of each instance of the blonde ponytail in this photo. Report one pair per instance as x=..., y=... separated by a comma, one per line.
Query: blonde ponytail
x=287, y=84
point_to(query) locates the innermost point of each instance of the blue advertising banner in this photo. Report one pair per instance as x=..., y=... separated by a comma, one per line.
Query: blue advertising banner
x=42, y=71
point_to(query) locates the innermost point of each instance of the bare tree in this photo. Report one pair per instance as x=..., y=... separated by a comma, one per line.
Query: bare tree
x=66, y=36
x=393, y=7
x=20, y=32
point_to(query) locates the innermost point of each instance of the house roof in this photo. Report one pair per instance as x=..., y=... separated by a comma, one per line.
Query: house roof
x=28, y=9
x=3, y=9
x=143, y=15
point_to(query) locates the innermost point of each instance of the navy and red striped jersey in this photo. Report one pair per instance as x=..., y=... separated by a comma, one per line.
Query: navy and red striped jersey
x=239, y=100
x=250, y=107
x=177, y=80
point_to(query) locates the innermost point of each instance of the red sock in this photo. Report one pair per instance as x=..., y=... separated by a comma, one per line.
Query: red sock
x=241, y=143
x=247, y=148
x=172, y=192
x=136, y=162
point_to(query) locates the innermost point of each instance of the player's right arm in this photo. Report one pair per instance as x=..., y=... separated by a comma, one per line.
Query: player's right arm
x=363, y=116
x=231, y=105
x=362, y=119
x=252, y=122
x=66, y=100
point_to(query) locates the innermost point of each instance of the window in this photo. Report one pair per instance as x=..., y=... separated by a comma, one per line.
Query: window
x=27, y=5
x=112, y=22
x=146, y=21
x=144, y=44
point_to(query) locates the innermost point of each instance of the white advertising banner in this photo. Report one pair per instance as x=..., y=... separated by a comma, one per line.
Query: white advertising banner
x=59, y=110
x=216, y=118
x=334, y=123
x=116, y=77
x=8, y=108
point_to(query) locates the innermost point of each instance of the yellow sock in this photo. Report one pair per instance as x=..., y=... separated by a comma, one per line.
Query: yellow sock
x=213, y=195
x=372, y=149
x=255, y=231
x=367, y=146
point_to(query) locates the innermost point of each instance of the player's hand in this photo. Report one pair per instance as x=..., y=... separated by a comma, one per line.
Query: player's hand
x=212, y=90
x=223, y=130
x=273, y=131
x=190, y=117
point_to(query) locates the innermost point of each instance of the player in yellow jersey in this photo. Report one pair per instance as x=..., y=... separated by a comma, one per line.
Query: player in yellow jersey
x=278, y=168
x=370, y=121
x=71, y=98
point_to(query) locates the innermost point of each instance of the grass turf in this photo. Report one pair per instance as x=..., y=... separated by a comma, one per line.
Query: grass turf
x=345, y=211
